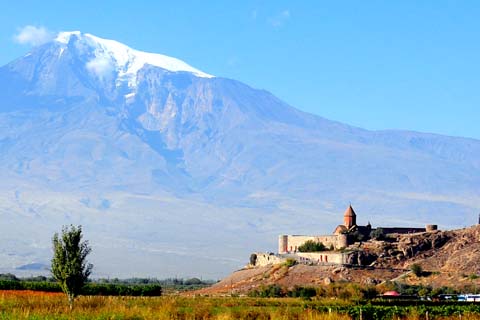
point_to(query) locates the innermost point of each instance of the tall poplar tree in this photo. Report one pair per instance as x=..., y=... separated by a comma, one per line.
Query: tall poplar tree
x=69, y=265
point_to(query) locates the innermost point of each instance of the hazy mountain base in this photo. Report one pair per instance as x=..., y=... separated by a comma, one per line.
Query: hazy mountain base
x=138, y=234
x=148, y=235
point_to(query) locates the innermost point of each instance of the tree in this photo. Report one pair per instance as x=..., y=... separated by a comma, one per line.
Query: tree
x=312, y=246
x=358, y=236
x=377, y=234
x=416, y=269
x=192, y=281
x=69, y=264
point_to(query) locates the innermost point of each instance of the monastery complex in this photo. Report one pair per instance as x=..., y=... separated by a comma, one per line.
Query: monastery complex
x=343, y=236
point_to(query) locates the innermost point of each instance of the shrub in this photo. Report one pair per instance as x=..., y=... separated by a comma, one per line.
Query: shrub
x=290, y=262
x=271, y=291
x=302, y=292
x=416, y=269
x=344, y=291
x=369, y=292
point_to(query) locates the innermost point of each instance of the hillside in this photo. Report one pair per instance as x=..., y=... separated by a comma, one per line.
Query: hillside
x=448, y=258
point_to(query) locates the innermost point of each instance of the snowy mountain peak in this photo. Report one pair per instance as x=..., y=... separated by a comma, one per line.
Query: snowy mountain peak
x=112, y=56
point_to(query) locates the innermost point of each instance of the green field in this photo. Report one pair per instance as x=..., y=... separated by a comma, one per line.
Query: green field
x=15, y=304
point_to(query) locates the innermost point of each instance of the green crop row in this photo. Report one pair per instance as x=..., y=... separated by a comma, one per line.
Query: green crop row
x=92, y=289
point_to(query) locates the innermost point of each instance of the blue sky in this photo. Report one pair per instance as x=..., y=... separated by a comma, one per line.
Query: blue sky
x=374, y=64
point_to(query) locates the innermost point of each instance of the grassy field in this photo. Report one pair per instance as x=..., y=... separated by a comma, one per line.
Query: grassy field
x=41, y=305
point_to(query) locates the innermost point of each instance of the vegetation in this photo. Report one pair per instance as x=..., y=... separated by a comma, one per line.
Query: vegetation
x=357, y=236
x=312, y=246
x=113, y=287
x=416, y=269
x=353, y=292
x=290, y=262
x=28, y=305
x=69, y=264
x=344, y=291
x=339, y=300
x=93, y=289
x=377, y=234
x=96, y=289
x=302, y=292
x=270, y=291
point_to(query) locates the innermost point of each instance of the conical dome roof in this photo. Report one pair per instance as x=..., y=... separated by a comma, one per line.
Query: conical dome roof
x=349, y=212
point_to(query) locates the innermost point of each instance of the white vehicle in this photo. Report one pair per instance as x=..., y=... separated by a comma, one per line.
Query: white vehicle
x=469, y=297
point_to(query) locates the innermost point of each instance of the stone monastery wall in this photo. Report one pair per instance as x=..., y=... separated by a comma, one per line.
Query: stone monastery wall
x=290, y=243
x=311, y=258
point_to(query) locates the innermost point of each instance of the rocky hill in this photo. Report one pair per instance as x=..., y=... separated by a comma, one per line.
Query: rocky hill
x=448, y=258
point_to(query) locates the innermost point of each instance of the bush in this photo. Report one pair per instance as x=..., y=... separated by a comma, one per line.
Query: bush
x=271, y=291
x=312, y=246
x=290, y=262
x=416, y=269
x=369, y=292
x=345, y=291
x=473, y=276
x=302, y=292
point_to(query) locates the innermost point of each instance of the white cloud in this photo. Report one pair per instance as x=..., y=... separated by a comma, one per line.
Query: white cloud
x=102, y=67
x=280, y=19
x=32, y=35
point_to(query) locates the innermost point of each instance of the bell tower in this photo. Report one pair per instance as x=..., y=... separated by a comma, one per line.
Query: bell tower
x=349, y=217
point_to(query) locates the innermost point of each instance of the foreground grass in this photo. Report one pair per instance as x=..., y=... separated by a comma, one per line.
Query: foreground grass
x=37, y=305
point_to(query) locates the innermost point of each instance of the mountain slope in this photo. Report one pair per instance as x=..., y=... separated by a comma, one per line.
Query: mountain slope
x=94, y=132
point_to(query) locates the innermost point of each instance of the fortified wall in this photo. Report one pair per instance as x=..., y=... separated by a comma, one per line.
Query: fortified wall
x=404, y=230
x=290, y=243
x=310, y=258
